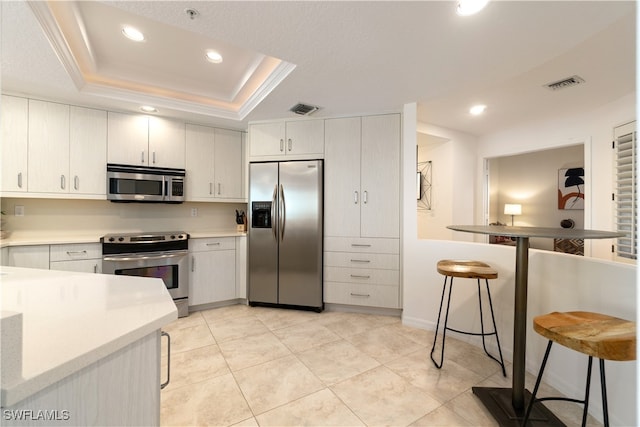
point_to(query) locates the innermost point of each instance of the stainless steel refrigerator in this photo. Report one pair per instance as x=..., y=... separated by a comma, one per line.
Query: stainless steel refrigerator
x=285, y=233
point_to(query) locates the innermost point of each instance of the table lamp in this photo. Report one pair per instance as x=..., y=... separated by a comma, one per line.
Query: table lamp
x=512, y=209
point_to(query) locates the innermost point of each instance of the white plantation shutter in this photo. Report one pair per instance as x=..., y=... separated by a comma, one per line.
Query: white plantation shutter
x=625, y=197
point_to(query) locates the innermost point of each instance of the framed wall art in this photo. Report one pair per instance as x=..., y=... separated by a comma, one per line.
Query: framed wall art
x=571, y=188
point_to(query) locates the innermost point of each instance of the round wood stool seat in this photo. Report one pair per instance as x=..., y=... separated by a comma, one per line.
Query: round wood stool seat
x=594, y=334
x=597, y=335
x=466, y=269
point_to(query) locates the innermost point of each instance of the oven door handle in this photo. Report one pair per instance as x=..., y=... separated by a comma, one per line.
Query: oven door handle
x=145, y=257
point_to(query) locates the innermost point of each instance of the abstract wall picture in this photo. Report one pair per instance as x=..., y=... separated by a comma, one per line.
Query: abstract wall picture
x=571, y=188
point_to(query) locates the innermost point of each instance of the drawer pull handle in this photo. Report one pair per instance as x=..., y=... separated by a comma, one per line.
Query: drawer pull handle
x=213, y=244
x=72, y=253
x=360, y=295
x=357, y=276
x=360, y=245
x=365, y=261
x=164, y=334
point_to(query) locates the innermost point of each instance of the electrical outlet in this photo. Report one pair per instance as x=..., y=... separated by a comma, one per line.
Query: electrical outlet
x=19, y=210
x=194, y=211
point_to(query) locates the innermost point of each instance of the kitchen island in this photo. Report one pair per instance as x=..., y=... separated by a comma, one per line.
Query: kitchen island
x=81, y=349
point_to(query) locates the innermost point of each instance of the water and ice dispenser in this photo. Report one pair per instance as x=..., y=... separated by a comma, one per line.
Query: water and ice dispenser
x=261, y=214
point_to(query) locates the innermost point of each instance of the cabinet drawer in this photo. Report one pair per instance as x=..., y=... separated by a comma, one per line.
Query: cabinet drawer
x=362, y=260
x=75, y=251
x=362, y=244
x=83, y=265
x=362, y=276
x=212, y=244
x=367, y=295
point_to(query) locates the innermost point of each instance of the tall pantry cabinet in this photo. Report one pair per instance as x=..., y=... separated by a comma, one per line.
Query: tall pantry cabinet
x=362, y=211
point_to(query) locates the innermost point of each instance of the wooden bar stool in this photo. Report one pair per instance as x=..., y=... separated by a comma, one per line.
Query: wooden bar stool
x=594, y=334
x=468, y=270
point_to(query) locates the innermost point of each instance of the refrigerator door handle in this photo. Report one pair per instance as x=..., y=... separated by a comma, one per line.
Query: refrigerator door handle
x=283, y=213
x=274, y=203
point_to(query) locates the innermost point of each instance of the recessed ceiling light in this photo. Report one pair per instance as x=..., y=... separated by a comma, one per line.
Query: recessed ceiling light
x=132, y=33
x=470, y=7
x=476, y=110
x=213, y=56
x=149, y=109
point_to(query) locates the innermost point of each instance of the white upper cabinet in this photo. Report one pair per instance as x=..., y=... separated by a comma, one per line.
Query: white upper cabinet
x=362, y=176
x=300, y=139
x=48, y=147
x=342, y=177
x=128, y=139
x=166, y=143
x=136, y=139
x=214, y=163
x=380, y=176
x=266, y=139
x=51, y=148
x=199, y=163
x=88, y=151
x=14, y=120
x=228, y=164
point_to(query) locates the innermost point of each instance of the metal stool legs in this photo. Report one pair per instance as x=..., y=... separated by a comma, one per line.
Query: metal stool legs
x=584, y=402
x=482, y=333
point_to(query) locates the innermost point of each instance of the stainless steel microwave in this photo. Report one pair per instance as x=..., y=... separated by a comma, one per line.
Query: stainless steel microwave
x=127, y=183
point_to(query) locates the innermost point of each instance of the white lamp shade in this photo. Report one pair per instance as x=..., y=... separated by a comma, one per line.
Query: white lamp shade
x=512, y=209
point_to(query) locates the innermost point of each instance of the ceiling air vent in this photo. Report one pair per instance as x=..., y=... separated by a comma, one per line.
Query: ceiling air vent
x=565, y=83
x=304, y=109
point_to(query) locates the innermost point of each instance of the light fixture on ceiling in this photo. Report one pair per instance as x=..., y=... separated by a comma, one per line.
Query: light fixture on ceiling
x=148, y=109
x=476, y=110
x=470, y=7
x=132, y=33
x=213, y=56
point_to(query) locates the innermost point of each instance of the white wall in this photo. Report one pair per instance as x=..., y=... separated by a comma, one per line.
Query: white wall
x=531, y=179
x=454, y=169
x=556, y=281
x=596, y=130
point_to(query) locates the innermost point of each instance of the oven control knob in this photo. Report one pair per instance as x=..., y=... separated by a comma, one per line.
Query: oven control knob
x=111, y=239
x=173, y=236
x=180, y=236
x=120, y=239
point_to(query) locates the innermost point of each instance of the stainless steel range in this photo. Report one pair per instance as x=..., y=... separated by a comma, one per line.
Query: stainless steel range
x=159, y=255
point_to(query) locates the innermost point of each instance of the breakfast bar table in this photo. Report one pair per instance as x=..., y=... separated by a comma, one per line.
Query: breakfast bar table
x=508, y=405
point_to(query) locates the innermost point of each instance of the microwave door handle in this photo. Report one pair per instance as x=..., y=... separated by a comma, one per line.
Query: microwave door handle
x=165, y=186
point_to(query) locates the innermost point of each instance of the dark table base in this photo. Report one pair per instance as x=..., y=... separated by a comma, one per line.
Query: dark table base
x=498, y=402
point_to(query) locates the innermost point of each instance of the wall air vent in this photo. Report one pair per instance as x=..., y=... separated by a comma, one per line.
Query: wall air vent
x=304, y=109
x=565, y=83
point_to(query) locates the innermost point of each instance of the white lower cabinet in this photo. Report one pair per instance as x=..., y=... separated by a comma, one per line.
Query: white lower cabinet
x=33, y=256
x=213, y=270
x=122, y=388
x=80, y=257
x=362, y=271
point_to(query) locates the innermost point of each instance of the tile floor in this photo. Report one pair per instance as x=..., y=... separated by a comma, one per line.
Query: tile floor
x=250, y=366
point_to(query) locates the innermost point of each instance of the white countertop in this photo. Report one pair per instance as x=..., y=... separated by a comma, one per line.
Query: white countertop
x=26, y=238
x=71, y=320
